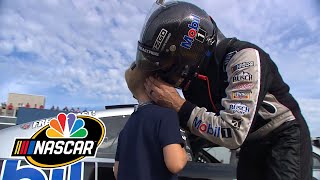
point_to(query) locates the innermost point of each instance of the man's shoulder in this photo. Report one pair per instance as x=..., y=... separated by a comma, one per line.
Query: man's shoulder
x=233, y=46
x=237, y=45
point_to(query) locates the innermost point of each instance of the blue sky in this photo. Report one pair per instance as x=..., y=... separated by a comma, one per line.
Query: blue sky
x=75, y=52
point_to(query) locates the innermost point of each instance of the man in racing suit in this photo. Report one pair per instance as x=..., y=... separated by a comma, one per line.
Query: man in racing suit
x=234, y=95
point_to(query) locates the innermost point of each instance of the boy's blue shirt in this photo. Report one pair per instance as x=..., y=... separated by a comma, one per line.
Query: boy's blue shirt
x=141, y=141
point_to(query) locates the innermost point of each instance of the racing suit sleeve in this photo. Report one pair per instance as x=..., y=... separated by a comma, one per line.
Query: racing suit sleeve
x=231, y=127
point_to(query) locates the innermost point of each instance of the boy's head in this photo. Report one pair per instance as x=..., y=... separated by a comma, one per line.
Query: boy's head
x=135, y=79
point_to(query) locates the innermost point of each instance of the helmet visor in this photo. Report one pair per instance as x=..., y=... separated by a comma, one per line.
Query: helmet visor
x=149, y=59
x=143, y=62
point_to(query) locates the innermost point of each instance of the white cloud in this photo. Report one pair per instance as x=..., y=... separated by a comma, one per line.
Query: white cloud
x=311, y=112
x=6, y=47
x=80, y=47
x=75, y=52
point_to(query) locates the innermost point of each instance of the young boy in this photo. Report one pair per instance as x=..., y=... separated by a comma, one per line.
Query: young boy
x=150, y=146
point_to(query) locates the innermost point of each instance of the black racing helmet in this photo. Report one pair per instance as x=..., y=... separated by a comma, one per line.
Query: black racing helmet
x=175, y=39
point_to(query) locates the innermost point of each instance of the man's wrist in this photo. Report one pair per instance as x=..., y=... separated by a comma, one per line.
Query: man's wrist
x=184, y=113
x=178, y=104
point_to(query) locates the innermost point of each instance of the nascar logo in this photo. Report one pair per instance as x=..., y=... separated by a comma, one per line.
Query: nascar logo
x=66, y=140
x=26, y=147
x=242, y=65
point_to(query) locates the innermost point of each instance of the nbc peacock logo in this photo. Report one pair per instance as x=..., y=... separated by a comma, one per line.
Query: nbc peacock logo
x=67, y=139
x=67, y=127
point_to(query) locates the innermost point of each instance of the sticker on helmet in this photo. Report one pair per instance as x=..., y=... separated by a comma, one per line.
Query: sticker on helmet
x=160, y=38
x=148, y=51
x=201, y=35
x=195, y=32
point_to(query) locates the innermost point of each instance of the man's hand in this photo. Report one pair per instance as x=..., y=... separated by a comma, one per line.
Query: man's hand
x=163, y=93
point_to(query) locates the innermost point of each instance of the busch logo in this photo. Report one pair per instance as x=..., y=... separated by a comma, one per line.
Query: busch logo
x=242, y=76
x=239, y=108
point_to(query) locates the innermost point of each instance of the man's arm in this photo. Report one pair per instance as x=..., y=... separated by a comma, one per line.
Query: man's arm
x=231, y=127
x=115, y=169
